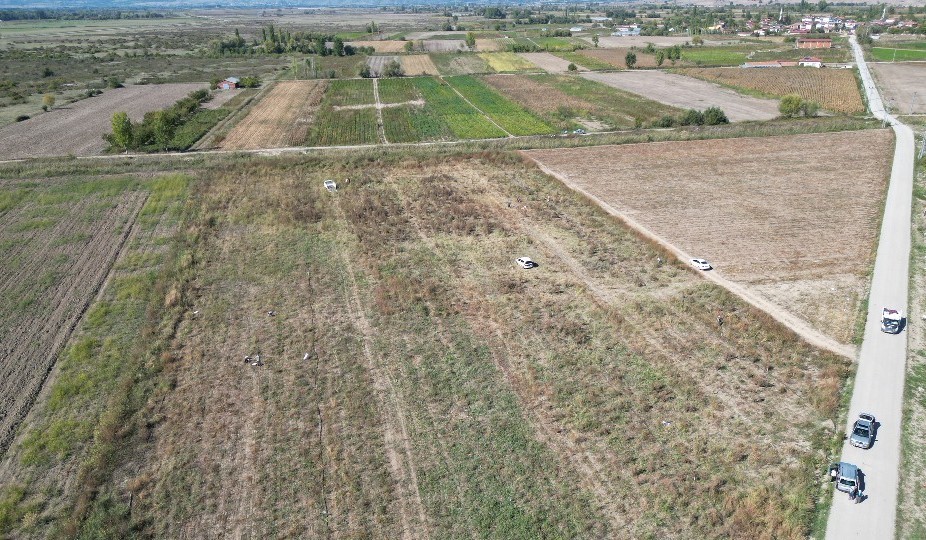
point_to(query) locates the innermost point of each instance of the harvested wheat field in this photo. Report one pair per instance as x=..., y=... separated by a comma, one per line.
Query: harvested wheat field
x=413, y=382
x=689, y=93
x=549, y=62
x=617, y=57
x=834, y=89
x=488, y=45
x=281, y=118
x=760, y=210
x=385, y=46
x=444, y=45
x=533, y=94
x=418, y=64
x=78, y=128
x=378, y=63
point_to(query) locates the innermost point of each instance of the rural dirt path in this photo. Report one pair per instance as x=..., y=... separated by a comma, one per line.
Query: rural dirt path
x=784, y=317
x=397, y=440
x=489, y=118
x=879, y=379
x=380, y=127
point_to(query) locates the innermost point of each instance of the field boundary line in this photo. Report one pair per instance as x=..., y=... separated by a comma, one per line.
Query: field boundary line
x=6, y=439
x=383, y=383
x=470, y=103
x=790, y=321
x=380, y=127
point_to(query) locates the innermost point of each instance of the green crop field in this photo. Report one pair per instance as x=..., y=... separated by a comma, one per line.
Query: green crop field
x=343, y=127
x=450, y=64
x=413, y=124
x=511, y=116
x=398, y=90
x=885, y=54
x=350, y=92
x=585, y=61
x=507, y=62
x=464, y=121
x=716, y=56
x=554, y=43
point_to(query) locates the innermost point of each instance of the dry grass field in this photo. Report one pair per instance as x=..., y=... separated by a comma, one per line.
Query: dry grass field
x=378, y=63
x=58, y=241
x=381, y=46
x=444, y=45
x=617, y=57
x=834, y=89
x=78, y=128
x=902, y=85
x=418, y=64
x=415, y=383
x=689, y=93
x=535, y=95
x=803, y=240
x=507, y=61
x=281, y=118
x=488, y=45
x=549, y=62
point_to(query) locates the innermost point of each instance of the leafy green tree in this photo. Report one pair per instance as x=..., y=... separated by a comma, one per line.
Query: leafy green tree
x=393, y=69
x=470, y=40
x=122, y=131
x=408, y=46
x=572, y=67
x=338, y=46
x=630, y=59
x=660, y=57
x=250, y=82
x=163, y=128
x=595, y=40
x=790, y=105
x=692, y=117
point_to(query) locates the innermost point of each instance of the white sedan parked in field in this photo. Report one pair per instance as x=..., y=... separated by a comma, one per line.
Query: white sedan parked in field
x=330, y=185
x=525, y=262
x=701, y=264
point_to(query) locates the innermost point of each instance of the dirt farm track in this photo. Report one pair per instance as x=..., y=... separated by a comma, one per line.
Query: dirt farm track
x=78, y=128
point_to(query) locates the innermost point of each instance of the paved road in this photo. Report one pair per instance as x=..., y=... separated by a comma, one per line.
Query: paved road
x=882, y=360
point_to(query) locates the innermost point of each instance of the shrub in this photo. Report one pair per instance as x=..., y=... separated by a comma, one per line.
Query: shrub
x=790, y=105
x=810, y=108
x=692, y=117
x=22, y=117
x=715, y=116
x=572, y=67
x=664, y=122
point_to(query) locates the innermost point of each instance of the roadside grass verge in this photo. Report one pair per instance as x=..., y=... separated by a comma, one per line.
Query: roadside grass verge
x=507, y=114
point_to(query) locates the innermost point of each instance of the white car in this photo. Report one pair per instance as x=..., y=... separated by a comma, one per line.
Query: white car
x=701, y=264
x=525, y=262
x=330, y=185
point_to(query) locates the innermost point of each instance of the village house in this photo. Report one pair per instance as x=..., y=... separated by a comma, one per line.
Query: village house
x=810, y=61
x=814, y=43
x=229, y=84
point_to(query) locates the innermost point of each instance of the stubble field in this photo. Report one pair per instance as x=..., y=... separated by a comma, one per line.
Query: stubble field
x=902, y=85
x=78, y=128
x=281, y=118
x=805, y=242
x=834, y=89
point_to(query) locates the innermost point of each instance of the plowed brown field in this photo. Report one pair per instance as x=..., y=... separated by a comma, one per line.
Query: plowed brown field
x=78, y=128
x=280, y=119
x=834, y=89
x=761, y=210
x=54, y=255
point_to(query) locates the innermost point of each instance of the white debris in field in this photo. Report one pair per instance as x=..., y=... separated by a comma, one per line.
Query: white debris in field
x=306, y=357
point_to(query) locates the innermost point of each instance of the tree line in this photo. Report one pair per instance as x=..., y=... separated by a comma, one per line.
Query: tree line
x=273, y=41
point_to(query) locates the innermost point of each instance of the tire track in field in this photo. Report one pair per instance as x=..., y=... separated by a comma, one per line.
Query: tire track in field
x=590, y=470
x=402, y=463
x=470, y=103
x=380, y=126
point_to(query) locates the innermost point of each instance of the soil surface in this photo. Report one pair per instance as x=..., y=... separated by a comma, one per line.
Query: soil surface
x=78, y=128
x=899, y=82
x=688, y=93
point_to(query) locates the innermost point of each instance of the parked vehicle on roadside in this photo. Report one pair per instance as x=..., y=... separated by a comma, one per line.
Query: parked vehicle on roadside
x=891, y=320
x=863, y=431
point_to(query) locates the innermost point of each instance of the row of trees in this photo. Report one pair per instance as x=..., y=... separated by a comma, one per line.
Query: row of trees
x=712, y=116
x=284, y=41
x=157, y=128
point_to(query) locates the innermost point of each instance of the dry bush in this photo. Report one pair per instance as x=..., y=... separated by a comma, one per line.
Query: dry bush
x=445, y=208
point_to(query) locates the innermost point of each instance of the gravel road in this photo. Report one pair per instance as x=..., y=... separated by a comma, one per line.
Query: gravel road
x=879, y=380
